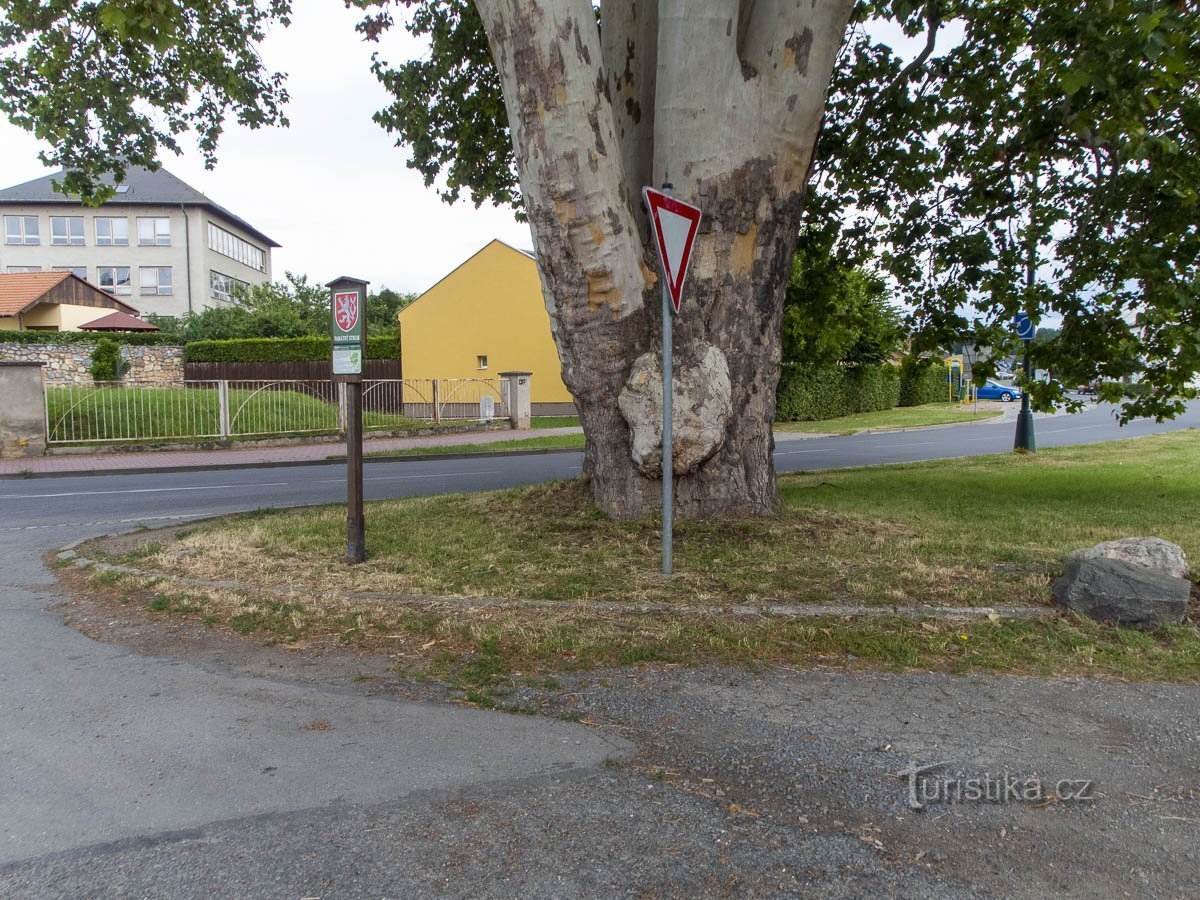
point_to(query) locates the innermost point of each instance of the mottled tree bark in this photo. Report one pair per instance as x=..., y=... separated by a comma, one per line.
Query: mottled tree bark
x=723, y=99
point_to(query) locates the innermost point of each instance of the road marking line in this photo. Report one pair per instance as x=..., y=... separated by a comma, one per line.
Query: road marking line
x=206, y=487
x=409, y=477
x=1079, y=428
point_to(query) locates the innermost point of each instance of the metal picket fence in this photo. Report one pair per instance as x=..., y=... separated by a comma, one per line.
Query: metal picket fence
x=222, y=409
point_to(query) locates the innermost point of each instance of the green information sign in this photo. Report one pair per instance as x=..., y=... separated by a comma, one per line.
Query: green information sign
x=348, y=326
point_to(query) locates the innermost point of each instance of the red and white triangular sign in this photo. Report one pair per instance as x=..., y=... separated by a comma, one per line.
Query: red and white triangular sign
x=674, y=224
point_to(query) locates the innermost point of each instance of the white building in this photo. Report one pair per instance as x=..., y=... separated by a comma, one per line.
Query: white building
x=159, y=242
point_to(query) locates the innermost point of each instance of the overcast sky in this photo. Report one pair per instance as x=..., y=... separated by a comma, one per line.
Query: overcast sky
x=332, y=189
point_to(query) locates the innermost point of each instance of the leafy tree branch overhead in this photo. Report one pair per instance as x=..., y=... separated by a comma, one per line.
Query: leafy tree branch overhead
x=1037, y=156
x=106, y=84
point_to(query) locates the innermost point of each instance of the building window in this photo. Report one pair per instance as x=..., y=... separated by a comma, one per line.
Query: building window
x=482, y=361
x=114, y=279
x=224, y=286
x=15, y=270
x=156, y=280
x=77, y=271
x=154, y=232
x=111, y=232
x=227, y=244
x=66, y=231
x=21, y=230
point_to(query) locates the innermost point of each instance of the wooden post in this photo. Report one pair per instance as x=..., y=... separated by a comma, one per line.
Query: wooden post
x=356, y=542
x=348, y=326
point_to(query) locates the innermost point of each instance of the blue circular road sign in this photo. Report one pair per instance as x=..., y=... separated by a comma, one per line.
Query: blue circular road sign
x=1025, y=327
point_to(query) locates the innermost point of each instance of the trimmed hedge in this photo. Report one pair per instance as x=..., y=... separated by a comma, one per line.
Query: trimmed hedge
x=922, y=381
x=304, y=349
x=127, y=339
x=812, y=393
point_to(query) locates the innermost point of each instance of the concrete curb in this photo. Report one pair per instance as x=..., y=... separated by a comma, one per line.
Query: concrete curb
x=738, y=610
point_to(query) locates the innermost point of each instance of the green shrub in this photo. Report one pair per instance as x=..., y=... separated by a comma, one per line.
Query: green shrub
x=133, y=339
x=107, y=364
x=922, y=381
x=813, y=393
x=300, y=349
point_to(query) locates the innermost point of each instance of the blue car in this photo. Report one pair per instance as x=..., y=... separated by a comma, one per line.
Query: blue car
x=994, y=390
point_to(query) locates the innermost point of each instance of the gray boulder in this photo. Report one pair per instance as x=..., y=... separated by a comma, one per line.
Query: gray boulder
x=1147, y=552
x=702, y=406
x=1114, y=591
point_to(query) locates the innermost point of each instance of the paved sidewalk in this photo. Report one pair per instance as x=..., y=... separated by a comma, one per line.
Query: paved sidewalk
x=207, y=459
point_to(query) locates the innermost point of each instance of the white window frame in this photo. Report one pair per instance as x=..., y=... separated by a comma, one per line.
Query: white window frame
x=110, y=240
x=161, y=287
x=20, y=270
x=69, y=237
x=482, y=361
x=77, y=271
x=159, y=228
x=238, y=249
x=222, y=286
x=22, y=235
x=115, y=288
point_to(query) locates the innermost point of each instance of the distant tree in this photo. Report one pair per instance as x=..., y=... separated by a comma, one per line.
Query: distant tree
x=382, y=307
x=1046, y=335
x=836, y=313
x=289, y=308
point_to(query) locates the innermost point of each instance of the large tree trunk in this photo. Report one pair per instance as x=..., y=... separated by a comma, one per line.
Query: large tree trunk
x=724, y=100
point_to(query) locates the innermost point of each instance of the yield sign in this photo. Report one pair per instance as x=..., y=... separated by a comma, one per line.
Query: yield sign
x=674, y=224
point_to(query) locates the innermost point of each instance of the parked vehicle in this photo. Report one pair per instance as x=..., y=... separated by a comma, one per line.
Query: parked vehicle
x=994, y=390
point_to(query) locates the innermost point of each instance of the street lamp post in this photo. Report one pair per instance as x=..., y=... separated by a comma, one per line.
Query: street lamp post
x=1025, y=439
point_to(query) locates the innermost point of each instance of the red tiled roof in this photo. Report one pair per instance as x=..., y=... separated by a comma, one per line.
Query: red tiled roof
x=19, y=291
x=118, y=321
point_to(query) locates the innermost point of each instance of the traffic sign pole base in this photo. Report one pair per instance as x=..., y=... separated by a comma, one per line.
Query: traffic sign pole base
x=1025, y=440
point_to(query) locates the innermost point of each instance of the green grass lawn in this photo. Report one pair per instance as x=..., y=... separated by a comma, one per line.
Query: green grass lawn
x=983, y=531
x=546, y=442
x=900, y=417
x=133, y=413
x=554, y=422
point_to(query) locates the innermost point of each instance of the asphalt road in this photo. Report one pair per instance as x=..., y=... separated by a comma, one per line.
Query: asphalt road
x=73, y=505
x=103, y=747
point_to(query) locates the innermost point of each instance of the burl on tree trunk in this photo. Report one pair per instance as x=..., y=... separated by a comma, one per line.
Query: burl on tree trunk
x=724, y=100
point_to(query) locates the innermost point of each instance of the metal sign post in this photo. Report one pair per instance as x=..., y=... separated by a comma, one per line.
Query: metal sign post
x=348, y=328
x=1025, y=438
x=668, y=479
x=674, y=225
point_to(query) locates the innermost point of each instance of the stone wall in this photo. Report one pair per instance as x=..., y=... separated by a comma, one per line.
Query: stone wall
x=69, y=363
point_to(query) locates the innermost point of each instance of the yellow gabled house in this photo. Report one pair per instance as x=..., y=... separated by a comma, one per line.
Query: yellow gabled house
x=486, y=317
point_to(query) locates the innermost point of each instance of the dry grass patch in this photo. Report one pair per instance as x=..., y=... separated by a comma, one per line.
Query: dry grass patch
x=984, y=531
x=484, y=652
